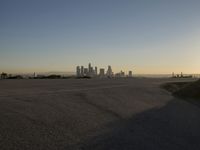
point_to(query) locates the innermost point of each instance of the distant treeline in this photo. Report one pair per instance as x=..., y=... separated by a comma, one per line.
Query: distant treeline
x=53, y=76
x=47, y=77
x=57, y=77
x=9, y=76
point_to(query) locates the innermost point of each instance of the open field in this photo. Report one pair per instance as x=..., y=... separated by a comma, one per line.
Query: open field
x=95, y=114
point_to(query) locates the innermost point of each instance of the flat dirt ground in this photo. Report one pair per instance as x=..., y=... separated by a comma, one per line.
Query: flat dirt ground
x=95, y=114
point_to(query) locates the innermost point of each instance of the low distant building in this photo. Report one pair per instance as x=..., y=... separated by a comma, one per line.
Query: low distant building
x=109, y=72
x=34, y=75
x=86, y=72
x=120, y=74
x=102, y=72
x=117, y=75
x=181, y=75
x=173, y=75
x=4, y=75
x=130, y=74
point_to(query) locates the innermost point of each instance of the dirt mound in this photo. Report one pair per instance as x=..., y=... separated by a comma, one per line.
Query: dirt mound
x=191, y=90
x=175, y=86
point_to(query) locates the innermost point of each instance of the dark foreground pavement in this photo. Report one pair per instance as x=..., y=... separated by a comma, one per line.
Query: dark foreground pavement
x=116, y=114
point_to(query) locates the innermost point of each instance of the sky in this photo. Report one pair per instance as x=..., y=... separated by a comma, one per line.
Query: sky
x=145, y=36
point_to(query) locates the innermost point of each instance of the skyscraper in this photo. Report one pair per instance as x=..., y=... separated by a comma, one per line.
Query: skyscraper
x=82, y=71
x=89, y=68
x=78, y=71
x=96, y=72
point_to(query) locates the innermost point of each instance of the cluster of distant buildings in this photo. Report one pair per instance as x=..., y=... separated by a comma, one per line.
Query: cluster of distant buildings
x=180, y=75
x=91, y=71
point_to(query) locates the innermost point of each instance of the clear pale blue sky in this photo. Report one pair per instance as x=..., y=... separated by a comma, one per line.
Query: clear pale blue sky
x=146, y=36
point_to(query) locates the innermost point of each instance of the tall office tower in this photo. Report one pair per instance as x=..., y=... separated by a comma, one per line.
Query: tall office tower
x=109, y=72
x=96, y=72
x=130, y=74
x=82, y=71
x=89, y=68
x=78, y=71
x=101, y=72
x=92, y=73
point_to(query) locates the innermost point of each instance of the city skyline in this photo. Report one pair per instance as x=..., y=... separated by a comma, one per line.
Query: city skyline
x=90, y=71
x=149, y=37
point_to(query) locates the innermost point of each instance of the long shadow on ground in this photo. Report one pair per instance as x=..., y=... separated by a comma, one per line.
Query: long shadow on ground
x=174, y=126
